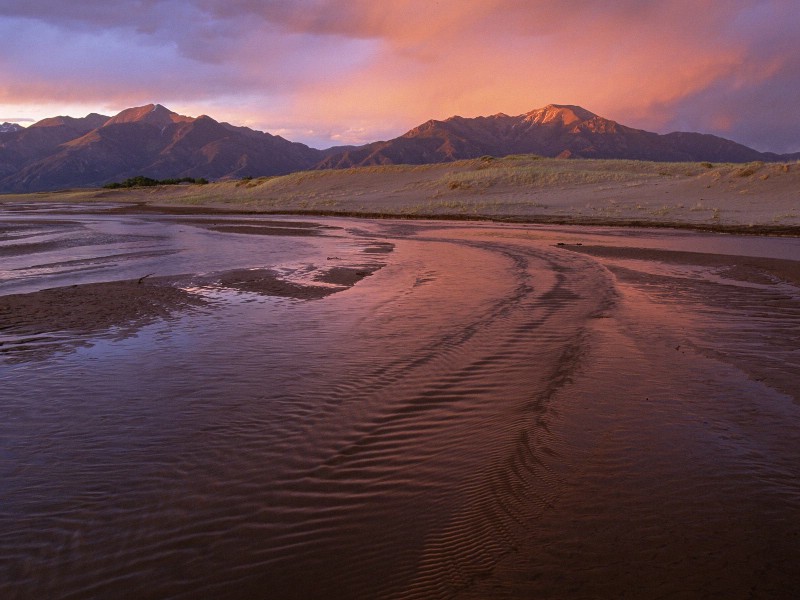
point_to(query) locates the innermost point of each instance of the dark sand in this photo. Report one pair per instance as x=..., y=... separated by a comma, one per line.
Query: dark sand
x=269, y=283
x=744, y=268
x=92, y=306
x=41, y=322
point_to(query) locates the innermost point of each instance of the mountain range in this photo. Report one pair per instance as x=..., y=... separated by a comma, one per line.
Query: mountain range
x=153, y=141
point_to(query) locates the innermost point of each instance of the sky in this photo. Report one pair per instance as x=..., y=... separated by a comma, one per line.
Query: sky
x=333, y=72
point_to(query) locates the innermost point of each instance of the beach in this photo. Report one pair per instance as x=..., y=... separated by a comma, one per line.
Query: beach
x=202, y=401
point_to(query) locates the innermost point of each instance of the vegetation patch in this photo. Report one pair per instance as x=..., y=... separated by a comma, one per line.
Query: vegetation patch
x=141, y=181
x=749, y=170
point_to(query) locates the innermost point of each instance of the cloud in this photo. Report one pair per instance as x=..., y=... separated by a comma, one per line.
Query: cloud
x=756, y=102
x=350, y=71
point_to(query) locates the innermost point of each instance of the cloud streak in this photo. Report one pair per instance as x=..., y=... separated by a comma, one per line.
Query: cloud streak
x=349, y=71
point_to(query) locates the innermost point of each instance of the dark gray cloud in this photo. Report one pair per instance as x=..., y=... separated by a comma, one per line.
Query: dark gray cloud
x=354, y=70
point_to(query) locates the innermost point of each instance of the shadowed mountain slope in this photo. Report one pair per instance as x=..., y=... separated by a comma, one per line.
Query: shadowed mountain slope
x=555, y=130
x=151, y=141
x=155, y=142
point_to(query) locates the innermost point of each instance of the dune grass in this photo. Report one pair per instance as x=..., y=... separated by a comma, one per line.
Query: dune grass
x=521, y=187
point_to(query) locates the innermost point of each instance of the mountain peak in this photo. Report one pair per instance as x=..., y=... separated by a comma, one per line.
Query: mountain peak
x=87, y=123
x=53, y=121
x=152, y=114
x=10, y=127
x=566, y=114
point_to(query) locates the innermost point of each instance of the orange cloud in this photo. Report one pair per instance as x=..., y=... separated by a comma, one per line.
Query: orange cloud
x=348, y=71
x=512, y=57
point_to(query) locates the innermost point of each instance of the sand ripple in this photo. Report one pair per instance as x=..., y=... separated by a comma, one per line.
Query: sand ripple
x=488, y=415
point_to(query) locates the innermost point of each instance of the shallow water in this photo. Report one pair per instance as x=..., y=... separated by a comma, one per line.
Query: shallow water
x=487, y=415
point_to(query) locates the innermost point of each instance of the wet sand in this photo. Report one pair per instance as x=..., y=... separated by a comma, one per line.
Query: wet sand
x=82, y=310
x=33, y=324
x=743, y=268
x=47, y=320
x=478, y=411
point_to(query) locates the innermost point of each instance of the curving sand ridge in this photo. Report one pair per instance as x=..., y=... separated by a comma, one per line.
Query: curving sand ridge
x=764, y=197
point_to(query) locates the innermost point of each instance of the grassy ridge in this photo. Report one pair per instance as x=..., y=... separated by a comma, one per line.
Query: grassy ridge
x=522, y=187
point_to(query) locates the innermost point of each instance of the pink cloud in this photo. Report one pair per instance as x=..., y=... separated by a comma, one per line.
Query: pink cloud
x=340, y=71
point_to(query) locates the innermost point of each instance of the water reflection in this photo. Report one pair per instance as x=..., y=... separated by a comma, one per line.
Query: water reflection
x=485, y=415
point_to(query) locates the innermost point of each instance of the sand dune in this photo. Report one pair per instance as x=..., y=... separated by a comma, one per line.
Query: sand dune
x=760, y=197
